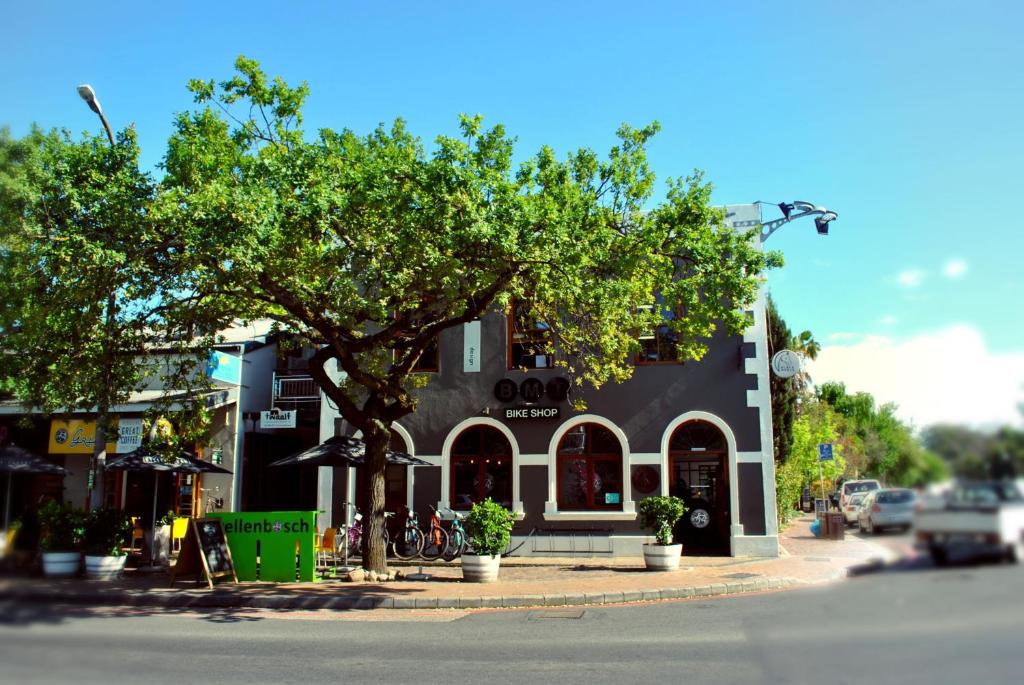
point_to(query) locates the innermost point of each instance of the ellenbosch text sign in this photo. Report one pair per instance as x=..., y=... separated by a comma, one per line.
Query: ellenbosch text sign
x=532, y=412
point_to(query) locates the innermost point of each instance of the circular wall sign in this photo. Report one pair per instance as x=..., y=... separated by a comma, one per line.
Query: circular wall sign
x=787, y=363
x=645, y=479
x=531, y=390
x=558, y=389
x=505, y=390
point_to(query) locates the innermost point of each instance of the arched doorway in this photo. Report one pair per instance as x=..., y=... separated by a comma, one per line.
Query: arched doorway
x=589, y=459
x=480, y=467
x=698, y=457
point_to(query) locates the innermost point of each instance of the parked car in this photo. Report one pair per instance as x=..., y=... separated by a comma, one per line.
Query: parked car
x=886, y=508
x=853, y=487
x=852, y=508
x=979, y=518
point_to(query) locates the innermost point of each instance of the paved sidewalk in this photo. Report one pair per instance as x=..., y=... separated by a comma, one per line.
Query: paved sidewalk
x=523, y=582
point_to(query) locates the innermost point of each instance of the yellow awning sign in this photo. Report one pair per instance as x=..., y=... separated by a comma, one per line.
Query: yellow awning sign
x=77, y=436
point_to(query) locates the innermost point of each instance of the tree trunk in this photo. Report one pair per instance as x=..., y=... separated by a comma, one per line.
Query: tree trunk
x=374, y=548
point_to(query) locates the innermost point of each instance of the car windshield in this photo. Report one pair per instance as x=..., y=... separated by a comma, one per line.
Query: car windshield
x=895, y=497
x=987, y=493
x=866, y=486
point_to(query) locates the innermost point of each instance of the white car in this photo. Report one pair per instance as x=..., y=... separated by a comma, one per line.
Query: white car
x=886, y=508
x=852, y=507
x=853, y=487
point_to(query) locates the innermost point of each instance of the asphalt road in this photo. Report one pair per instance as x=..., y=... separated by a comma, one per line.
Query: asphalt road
x=907, y=623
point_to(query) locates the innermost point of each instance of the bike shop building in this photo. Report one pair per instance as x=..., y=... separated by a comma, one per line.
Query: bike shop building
x=496, y=421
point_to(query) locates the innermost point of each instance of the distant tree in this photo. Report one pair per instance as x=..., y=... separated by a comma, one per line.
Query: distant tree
x=369, y=246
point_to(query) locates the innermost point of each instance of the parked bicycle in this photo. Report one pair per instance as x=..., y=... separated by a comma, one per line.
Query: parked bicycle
x=409, y=542
x=435, y=540
x=458, y=539
x=354, y=532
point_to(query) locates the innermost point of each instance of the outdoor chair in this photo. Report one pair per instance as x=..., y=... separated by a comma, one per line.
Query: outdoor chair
x=138, y=533
x=178, y=530
x=326, y=547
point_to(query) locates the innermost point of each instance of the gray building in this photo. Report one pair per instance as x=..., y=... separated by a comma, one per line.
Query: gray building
x=700, y=430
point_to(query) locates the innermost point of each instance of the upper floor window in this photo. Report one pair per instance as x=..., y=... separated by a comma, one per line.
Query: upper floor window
x=430, y=360
x=659, y=346
x=529, y=339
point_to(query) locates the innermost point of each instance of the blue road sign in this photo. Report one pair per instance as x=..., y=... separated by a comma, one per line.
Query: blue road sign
x=825, y=451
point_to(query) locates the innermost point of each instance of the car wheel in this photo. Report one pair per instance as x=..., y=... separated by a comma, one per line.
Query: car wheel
x=1015, y=553
x=939, y=556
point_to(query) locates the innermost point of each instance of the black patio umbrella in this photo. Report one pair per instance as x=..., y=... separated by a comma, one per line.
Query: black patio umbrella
x=341, y=450
x=142, y=459
x=18, y=460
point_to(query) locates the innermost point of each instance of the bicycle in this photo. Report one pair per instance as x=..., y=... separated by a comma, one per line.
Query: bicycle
x=353, y=537
x=458, y=539
x=409, y=542
x=435, y=542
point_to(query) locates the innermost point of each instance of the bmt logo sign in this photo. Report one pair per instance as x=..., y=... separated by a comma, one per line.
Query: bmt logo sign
x=532, y=413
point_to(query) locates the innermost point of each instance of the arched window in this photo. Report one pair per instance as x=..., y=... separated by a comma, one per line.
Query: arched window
x=589, y=469
x=481, y=467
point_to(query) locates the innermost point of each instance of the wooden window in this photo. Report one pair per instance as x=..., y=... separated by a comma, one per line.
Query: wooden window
x=658, y=346
x=430, y=360
x=589, y=469
x=481, y=467
x=529, y=339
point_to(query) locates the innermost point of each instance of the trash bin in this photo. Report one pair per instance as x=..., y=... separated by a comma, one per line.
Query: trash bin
x=824, y=525
x=836, y=525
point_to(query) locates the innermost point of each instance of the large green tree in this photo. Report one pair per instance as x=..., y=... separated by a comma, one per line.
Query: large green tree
x=784, y=390
x=368, y=246
x=77, y=283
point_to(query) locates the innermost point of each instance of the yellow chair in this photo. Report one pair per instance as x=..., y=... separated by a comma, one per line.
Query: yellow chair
x=325, y=547
x=178, y=530
x=137, y=534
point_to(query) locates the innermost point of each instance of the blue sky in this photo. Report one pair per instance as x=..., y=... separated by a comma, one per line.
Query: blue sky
x=902, y=117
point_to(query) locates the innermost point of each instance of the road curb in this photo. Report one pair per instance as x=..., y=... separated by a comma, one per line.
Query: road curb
x=228, y=599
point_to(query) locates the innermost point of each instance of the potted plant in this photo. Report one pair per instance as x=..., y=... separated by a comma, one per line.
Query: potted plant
x=61, y=529
x=489, y=526
x=659, y=515
x=107, y=533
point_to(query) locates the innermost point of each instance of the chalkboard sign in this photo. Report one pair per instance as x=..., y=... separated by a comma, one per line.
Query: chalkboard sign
x=205, y=552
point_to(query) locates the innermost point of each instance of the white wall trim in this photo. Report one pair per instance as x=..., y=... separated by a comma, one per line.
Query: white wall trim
x=446, y=459
x=590, y=516
x=735, y=527
x=533, y=460
x=749, y=457
x=551, y=512
x=761, y=399
x=649, y=458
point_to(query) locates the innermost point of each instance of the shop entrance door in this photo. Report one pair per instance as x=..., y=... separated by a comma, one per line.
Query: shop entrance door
x=699, y=475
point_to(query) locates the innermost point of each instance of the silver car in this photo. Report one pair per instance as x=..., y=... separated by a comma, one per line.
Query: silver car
x=886, y=508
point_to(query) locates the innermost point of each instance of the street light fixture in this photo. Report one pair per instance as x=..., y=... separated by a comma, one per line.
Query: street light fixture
x=86, y=92
x=822, y=216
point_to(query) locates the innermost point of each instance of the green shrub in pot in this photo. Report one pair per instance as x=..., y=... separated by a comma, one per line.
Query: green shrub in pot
x=61, y=526
x=659, y=515
x=107, y=532
x=490, y=527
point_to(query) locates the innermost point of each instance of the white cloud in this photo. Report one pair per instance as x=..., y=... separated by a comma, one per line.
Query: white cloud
x=843, y=336
x=888, y=320
x=948, y=375
x=954, y=268
x=911, y=278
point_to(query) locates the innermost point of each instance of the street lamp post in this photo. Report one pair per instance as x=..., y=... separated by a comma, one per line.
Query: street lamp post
x=99, y=451
x=822, y=216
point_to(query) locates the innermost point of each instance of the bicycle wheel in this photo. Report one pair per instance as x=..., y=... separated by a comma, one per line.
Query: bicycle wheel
x=355, y=543
x=434, y=544
x=456, y=544
x=408, y=544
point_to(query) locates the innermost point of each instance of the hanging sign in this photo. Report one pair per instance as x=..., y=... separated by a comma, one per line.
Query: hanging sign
x=226, y=368
x=275, y=418
x=787, y=363
x=129, y=435
x=471, y=347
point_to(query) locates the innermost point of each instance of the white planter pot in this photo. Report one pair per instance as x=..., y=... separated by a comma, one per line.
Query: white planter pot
x=480, y=569
x=61, y=564
x=104, y=568
x=662, y=557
